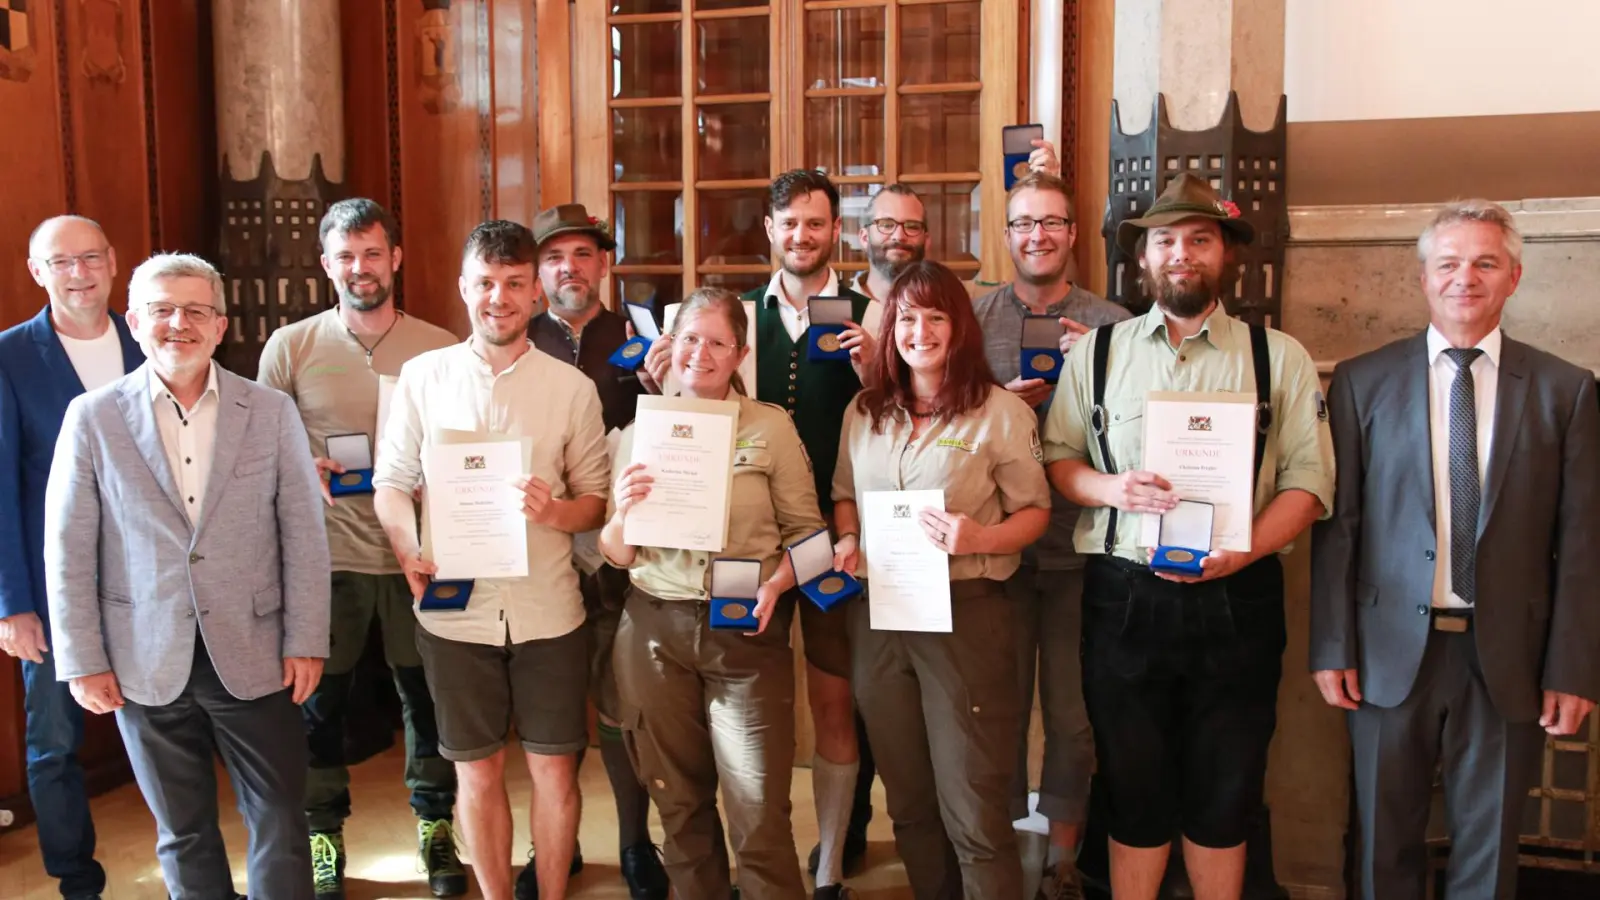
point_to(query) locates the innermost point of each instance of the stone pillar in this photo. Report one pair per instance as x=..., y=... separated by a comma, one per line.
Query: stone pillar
x=280, y=128
x=1198, y=86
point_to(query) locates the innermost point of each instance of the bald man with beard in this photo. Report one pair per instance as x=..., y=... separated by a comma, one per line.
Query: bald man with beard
x=73, y=345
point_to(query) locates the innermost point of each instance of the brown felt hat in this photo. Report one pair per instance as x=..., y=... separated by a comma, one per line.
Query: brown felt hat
x=567, y=219
x=1186, y=197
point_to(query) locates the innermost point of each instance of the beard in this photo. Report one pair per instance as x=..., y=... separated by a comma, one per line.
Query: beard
x=878, y=257
x=824, y=256
x=364, y=304
x=572, y=298
x=1186, y=301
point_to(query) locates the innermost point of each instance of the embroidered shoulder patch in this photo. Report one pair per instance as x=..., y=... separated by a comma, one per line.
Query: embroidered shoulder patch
x=1035, y=446
x=1322, y=407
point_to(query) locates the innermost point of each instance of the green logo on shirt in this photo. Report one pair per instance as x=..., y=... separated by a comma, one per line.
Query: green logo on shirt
x=956, y=444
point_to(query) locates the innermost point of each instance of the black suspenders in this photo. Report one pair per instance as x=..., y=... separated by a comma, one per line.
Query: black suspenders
x=1261, y=359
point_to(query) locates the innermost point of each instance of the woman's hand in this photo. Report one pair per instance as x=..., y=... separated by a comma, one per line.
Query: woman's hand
x=955, y=533
x=631, y=489
x=846, y=553
x=766, y=603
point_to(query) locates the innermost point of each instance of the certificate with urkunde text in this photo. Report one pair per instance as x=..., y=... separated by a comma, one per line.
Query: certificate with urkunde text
x=686, y=445
x=475, y=527
x=1204, y=445
x=908, y=578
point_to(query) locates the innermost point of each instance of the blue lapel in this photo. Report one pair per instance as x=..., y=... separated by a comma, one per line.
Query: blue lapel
x=133, y=397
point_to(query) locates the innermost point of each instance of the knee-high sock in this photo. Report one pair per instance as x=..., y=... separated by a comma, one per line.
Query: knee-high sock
x=833, y=785
x=633, y=801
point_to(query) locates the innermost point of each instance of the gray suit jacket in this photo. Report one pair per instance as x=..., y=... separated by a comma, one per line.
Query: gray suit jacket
x=129, y=579
x=1537, y=616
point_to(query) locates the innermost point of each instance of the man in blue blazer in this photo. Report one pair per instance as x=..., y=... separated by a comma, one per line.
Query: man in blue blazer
x=74, y=344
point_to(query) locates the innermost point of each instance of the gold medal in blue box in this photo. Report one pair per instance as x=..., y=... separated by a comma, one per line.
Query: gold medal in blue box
x=1185, y=538
x=630, y=355
x=822, y=584
x=1041, y=348
x=354, y=452
x=828, y=317
x=734, y=583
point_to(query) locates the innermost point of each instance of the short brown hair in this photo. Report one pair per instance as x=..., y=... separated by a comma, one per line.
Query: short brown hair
x=796, y=183
x=1043, y=181
x=502, y=243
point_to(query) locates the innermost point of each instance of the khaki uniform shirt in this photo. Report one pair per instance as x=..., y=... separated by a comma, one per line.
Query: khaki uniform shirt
x=538, y=397
x=987, y=462
x=1299, y=451
x=773, y=503
x=318, y=363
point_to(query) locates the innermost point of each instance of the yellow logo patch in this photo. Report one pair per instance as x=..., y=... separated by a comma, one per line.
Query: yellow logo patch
x=956, y=444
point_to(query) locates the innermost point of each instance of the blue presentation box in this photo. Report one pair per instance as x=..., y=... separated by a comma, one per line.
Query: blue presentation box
x=446, y=596
x=354, y=452
x=734, y=583
x=812, y=558
x=631, y=354
x=1016, y=145
x=1041, y=348
x=1185, y=538
x=828, y=315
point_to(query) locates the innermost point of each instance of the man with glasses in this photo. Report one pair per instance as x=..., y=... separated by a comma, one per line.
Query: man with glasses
x=186, y=566
x=75, y=344
x=1048, y=589
x=333, y=365
x=894, y=234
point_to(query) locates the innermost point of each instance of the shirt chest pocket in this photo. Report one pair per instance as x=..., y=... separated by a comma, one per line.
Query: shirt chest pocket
x=1124, y=427
x=752, y=492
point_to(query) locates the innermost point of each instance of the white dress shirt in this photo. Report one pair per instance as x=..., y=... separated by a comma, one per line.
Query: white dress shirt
x=1486, y=383
x=537, y=397
x=797, y=319
x=188, y=435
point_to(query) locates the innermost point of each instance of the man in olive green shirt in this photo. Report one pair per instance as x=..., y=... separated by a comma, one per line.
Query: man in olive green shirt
x=332, y=365
x=1181, y=673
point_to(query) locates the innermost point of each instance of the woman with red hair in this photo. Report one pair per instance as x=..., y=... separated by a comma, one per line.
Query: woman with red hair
x=941, y=708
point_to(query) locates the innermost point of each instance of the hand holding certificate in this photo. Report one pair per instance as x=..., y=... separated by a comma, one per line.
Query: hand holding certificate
x=1203, y=444
x=684, y=448
x=908, y=575
x=475, y=525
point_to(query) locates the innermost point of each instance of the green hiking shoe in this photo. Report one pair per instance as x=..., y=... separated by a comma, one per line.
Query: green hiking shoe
x=327, y=864
x=436, y=844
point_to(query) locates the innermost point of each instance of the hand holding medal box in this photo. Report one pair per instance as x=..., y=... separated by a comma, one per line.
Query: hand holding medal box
x=354, y=453
x=828, y=317
x=1041, y=348
x=1185, y=538
x=630, y=355
x=734, y=585
x=812, y=558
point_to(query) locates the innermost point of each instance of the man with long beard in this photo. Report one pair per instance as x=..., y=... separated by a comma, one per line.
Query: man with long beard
x=577, y=329
x=1048, y=588
x=1181, y=673
x=332, y=365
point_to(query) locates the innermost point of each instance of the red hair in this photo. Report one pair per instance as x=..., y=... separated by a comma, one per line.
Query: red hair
x=967, y=377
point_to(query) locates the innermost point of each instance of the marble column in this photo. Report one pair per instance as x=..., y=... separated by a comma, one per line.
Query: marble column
x=280, y=129
x=1198, y=85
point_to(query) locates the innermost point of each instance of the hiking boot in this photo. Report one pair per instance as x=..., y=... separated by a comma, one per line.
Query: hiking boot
x=436, y=845
x=327, y=864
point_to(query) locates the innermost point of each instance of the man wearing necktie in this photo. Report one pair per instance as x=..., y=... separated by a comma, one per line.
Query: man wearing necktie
x=1456, y=587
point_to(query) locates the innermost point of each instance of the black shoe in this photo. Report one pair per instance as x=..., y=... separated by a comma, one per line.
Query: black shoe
x=641, y=869
x=833, y=892
x=855, y=855
x=437, y=847
x=527, y=887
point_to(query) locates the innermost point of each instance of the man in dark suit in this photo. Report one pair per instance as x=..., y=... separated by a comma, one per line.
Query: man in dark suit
x=74, y=344
x=1456, y=588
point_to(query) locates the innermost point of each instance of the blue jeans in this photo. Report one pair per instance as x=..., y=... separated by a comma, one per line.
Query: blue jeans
x=55, y=781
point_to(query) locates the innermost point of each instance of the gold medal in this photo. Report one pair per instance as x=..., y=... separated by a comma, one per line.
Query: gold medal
x=828, y=343
x=350, y=478
x=632, y=350
x=1179, y=556
x=831, y=585
x=735, y=610
x=1019, y=169
x=1044, y=362
x=446, y=592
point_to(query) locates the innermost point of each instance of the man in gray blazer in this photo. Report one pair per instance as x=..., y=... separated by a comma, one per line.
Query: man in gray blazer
x=1456, y=587
x=186, y=569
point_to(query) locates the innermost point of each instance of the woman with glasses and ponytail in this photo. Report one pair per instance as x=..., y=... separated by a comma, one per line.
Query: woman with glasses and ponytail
x=942, y=708
x=703, y=706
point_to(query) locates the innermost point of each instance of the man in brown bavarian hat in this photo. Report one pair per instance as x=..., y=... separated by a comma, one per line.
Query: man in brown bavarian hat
x=1181, y=671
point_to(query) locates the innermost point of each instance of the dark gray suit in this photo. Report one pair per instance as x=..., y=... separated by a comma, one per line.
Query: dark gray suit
x=196, y=620
x=1469, y=701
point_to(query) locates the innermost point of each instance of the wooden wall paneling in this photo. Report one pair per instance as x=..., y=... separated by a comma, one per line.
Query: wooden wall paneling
x=550, y=97
x=32, y=176
x=180, y=104
x=446, y=149
x=997, y=109
x=588, y=72
x=111, y=146
x=1092, y=111
x=516, y=105
x=365, y=46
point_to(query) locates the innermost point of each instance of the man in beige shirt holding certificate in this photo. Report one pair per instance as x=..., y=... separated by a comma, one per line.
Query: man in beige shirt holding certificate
x=516, y=653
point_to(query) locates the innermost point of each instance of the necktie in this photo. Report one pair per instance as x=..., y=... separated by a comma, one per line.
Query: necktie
x=1464, y=486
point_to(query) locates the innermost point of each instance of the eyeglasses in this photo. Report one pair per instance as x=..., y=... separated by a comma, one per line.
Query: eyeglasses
x=61, y=265
x=1025, y=225
x=195, y=312
x=717, y=349
x=886, y=226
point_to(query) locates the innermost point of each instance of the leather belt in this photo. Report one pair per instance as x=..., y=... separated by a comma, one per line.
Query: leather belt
x=1454, y=621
